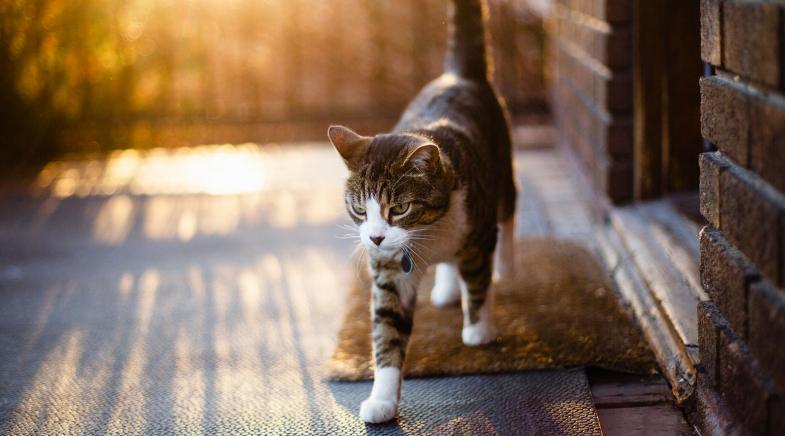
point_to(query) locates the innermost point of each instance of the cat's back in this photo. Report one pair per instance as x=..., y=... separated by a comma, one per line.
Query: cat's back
x=466, y=119
x=467, y=103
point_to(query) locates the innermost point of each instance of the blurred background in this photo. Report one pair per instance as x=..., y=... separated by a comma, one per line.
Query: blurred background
x=89, y=76
x=170, y=206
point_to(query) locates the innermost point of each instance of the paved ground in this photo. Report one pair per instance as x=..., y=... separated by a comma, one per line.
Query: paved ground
x=199, y=291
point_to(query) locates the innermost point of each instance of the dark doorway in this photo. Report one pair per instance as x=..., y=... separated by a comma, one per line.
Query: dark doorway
x=666, y=70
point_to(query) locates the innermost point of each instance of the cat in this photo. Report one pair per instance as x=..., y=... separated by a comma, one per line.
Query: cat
x=435, y=190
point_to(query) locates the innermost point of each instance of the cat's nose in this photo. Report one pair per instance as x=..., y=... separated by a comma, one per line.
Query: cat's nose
x=377, y=239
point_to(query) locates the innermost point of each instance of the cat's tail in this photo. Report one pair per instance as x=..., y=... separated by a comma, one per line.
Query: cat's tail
x=466, y=44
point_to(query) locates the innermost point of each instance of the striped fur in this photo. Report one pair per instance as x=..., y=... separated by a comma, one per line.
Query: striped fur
x=434, y=189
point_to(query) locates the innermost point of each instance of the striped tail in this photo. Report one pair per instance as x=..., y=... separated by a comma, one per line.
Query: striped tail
x=466, y=46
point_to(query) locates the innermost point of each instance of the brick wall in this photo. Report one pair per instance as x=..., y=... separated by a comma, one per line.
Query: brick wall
x=742, y=264
x=591, y=56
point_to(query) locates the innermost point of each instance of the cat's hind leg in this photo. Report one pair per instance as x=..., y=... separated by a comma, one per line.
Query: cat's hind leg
x=447, y=285
x=392, y=327
x=477, y=302
x=508, y=195
x=504, y=256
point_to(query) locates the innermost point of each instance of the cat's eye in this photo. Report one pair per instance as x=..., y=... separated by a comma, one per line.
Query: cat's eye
x=400, y=209
x=358, y=208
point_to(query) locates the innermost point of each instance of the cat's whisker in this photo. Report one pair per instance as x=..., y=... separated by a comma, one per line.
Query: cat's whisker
x=420, y=235
x=415, y=244
x=421, y=241
x=358, y=256
x=421, y=238
x=359, y=246
x=424, y=236
x=353, y=229
x=412, y=251
x=347, y=236
x=418, y=246
x=432, y=231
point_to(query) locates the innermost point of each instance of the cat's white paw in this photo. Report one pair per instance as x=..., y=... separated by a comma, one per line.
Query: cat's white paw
x=480, y=333
x=445, y=294
x=375, y=411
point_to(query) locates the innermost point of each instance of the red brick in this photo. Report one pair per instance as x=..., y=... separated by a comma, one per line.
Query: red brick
x=711, y=165
x=710, y=415
x=746, y=388
x=751, y=41
x=617, y=49
x=619, y=142
x=708, y=321
x=728, y=367
x=619, y=181
x=750, y=129
x=725, y=275
x=613, y=10
x=767, y=141
x=592, y=107
x=776, y=413
x=614, y=94
x=767, y=329
x=750, y=219
x=711, y=48
x=608, y=133
x=725, y=117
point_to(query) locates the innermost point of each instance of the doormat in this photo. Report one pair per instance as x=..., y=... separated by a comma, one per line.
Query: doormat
x=557, y=311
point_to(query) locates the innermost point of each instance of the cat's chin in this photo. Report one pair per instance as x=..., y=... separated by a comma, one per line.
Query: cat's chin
x=384, y=251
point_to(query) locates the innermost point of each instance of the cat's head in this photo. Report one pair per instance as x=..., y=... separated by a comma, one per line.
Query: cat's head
x=398, y=185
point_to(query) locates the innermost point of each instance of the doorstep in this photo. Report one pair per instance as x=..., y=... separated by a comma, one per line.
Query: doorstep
x=651, y=251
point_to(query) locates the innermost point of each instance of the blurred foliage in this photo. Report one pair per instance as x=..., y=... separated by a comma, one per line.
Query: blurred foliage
x=106, y=67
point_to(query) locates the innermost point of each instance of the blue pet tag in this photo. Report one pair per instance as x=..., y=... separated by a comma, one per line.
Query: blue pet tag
x=406, y=263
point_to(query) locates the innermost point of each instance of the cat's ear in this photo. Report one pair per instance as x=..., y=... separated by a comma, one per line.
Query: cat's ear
x=350, y=145
x=425, y=157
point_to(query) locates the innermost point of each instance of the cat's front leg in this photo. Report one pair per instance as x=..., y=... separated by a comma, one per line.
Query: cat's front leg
x=392, y=326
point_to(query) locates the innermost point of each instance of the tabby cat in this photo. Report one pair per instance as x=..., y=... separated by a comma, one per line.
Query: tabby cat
x=432, y=192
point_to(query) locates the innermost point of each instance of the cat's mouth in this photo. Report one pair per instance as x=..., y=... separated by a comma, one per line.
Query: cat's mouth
x=387, y=248
x=390, y=249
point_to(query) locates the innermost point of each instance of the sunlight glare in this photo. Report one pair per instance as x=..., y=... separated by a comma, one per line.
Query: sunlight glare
x=114, y=220
x=207, y=190
x=188, y=385
x=125, y=284
x=48, y=390
x=206, y=169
